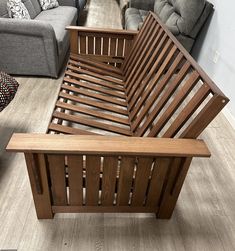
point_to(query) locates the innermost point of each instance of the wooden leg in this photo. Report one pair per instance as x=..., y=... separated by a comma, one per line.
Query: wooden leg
x=174, y=184
x=39, y=184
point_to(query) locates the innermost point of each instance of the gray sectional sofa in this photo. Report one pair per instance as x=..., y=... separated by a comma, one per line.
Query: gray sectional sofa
x=37, y=46
x=184, y=18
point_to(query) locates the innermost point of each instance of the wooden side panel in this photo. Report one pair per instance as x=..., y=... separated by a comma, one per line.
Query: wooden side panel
x=92, y=180
x=109, y=180
x=57, y=175
x=125, y=181
x=75, y=172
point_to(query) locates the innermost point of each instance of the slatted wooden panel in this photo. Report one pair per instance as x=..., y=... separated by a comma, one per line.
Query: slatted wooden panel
x=103, y=44
x=110, y=181
x=167, y=92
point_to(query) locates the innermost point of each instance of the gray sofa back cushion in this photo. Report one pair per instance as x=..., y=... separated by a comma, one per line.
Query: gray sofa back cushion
x=179, y=14
x=33, y=7
x=3, y=8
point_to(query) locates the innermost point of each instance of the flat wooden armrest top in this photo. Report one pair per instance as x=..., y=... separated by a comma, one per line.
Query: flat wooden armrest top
x=101, y=30
x=107, y=145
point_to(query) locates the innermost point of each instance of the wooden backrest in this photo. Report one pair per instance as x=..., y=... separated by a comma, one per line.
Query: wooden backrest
x=168, y=94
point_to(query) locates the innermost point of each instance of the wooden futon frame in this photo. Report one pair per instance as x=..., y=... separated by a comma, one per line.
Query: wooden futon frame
x=140, y=86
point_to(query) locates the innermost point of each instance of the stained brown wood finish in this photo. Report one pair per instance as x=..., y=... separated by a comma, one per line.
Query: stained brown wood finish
x=140, y=84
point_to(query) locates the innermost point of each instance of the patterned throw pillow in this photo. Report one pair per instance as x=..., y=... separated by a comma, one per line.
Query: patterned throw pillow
x=17, y=9
x=8, y=88
x=48, y=4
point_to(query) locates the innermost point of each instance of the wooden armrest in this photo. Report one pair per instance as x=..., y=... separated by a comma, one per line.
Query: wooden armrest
x=107, y=145
x=101, y=30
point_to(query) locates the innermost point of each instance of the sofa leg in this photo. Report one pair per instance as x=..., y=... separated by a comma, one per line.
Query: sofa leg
x=177, y=175
x=37, y=172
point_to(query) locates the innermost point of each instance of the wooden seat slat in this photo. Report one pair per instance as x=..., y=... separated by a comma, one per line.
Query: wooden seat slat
x=95, y=75
x=94, y=95
x=95, y=88
x=68, y=130
x=93, y=113
x=91, y=123
x=94, y=81
x=94, y=69
x=97, y=64
x=93, y=103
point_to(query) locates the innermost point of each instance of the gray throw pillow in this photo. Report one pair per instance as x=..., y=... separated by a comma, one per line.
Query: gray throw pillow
x=48, y=4
x=16, y=9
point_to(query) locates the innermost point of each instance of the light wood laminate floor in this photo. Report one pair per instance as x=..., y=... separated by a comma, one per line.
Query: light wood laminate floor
x=204, y=218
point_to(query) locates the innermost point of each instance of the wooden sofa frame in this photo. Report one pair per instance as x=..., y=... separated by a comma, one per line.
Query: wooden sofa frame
x=141, y=85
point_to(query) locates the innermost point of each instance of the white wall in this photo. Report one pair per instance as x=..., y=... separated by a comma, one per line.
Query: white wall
x=215, y=50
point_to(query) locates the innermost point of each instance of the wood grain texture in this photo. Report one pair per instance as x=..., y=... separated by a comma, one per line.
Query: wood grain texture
x=107, y=145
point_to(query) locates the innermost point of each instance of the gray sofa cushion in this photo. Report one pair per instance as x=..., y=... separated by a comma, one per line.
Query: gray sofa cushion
x=59, y=18
x=33, y=7
x=3, y=9
x=134, y=17
x=181, y=15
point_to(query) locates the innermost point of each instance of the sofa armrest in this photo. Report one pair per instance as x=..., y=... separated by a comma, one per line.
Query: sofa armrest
x=107, y=145
x=31, y=36
x=142, y=4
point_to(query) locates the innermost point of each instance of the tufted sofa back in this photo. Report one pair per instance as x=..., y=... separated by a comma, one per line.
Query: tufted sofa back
x=180, y=16
x=32, y=6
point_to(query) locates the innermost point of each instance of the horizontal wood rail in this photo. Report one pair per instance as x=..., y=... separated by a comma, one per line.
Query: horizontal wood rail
x=101, y=30
x=106, y=145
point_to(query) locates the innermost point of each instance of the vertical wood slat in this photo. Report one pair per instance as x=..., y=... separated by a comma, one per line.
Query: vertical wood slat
x=141, y=181
x=125, y=181
x=75, y=172
x=109, y=180
x=90, y=45
x=42, y=201
x=127, y=48
x=57, y=174
x=73, y=41
x=92, y=180
x=98, y=45
x=105, y=50
x=83, y=44
x=176, y=102
x=120, y=49
x=157, y=180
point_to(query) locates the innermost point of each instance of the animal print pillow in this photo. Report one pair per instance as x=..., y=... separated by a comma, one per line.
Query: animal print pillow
x=48, y=4
x=16, y=9
x=8, y=88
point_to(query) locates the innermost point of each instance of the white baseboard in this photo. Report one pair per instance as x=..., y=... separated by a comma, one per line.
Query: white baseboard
x=229, y=117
